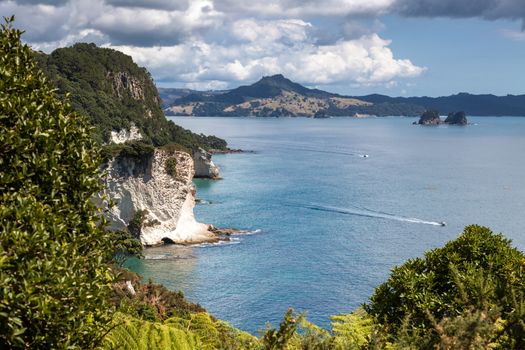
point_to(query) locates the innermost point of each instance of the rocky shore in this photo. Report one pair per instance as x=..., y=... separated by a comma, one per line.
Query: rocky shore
x=228, y=151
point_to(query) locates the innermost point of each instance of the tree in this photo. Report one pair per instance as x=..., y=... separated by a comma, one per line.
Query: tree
x=476, y=275
x=54, y=250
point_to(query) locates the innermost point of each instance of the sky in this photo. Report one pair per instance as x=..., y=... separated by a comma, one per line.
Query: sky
x=352, y=47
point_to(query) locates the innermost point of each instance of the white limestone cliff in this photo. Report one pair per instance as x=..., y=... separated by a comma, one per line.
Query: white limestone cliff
x=204, y=166
x=125, y=135
x=143, y=185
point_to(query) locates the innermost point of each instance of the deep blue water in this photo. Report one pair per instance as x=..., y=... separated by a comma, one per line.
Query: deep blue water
x=331, y=223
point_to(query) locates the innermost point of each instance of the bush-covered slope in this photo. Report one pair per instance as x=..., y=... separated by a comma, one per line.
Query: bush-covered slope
x=115, y=93
x=54, y=252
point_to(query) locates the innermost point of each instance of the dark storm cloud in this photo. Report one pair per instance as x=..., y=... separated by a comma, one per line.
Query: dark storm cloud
x=41, y=2
x=151, y=4
x=143, y=38
x=487, y=9
x=39, y=24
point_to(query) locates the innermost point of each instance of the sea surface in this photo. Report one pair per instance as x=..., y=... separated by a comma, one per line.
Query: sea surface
x=325, y=223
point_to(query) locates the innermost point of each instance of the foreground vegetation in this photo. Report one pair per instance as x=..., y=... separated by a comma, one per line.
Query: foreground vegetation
x=62, y=287
x=54, y=250
x=465, y=295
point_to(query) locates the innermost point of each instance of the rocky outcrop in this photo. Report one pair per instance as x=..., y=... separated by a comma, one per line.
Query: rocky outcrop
x=125, y=135
x=458, y=118
x=430, y=118
x=125, y=82
x=154, y=195
x=204, y=167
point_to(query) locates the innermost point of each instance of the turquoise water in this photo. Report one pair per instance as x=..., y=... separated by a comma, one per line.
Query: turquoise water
x=329, y=223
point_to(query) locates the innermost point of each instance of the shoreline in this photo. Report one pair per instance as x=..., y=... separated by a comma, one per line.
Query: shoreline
x=229, y=151
x=216, y=235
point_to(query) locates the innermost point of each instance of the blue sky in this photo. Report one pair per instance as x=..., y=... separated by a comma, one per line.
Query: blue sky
x=355, y=47
x=462, y=55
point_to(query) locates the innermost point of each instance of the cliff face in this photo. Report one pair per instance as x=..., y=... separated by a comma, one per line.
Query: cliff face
x=155, y=193
x=124, y=83
x=125, y=135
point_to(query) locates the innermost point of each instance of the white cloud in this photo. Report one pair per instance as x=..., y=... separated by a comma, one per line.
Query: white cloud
x=49, y=25
x=145, y=27
x=215, y=44
x=513, y=34
x=366, y=61
x=287, y=30
x=304, y=8
x=84, y=35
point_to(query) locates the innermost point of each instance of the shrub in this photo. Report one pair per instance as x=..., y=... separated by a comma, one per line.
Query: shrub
x=171, y=167
x=136, y=223
x=53, y=245
x=124, y=245
x=447, y=282
x=139, y=221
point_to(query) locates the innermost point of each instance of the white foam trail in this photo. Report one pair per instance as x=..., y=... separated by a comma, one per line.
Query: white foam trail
x=321, y=151
x=156, y=257
x=219, y=243
x=371, y=214
x=298, y=146
x=248, y=233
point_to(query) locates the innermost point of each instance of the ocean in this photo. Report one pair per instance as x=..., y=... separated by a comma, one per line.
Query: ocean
x=331, y=205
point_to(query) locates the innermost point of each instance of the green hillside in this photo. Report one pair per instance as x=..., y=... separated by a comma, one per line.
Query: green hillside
x=115, y=93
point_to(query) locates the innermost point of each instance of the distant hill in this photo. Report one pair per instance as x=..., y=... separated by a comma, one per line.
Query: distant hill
x=116, y=94
x=478, y=105
x=170, y=95
x=278, y=96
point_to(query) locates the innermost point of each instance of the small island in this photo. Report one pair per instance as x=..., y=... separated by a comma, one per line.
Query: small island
x=458, y=118
x=431, y=117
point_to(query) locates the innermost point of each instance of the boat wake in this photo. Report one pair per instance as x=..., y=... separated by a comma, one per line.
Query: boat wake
x=323, y=151
x=366, y=212
x=297, y=146
x=217, y=244
x=247, y=233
